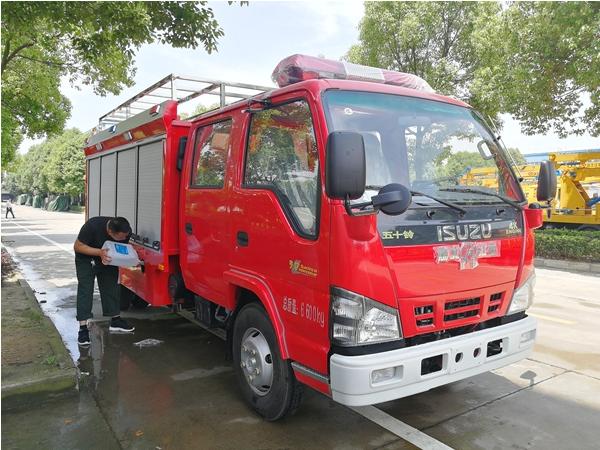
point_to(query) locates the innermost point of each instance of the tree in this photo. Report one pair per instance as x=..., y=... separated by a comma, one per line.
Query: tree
x=550, y=63
x=66, y=165
x=517, y=157
x=199, y=109
x=32, y=173
x=11, y=138
x=434, y=40
x=11, y=180
x=57, y=165
x=537, y=61
x=453, y=164
x=90, y=43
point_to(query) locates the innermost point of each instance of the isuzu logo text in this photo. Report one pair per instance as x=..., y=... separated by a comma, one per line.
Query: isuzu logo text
x=474, y=231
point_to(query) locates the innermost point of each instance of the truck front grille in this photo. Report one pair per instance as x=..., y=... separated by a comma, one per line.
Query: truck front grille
x=495, y=302
x=454, y=311
x=424, y=315
x=457, y=310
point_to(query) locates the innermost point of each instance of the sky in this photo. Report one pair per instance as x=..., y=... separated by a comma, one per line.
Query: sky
x=256, y=38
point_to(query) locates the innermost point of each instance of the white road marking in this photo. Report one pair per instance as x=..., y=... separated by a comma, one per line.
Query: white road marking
x=553, y=319
x=399, y=428
x=62, y=247
x=579, y=280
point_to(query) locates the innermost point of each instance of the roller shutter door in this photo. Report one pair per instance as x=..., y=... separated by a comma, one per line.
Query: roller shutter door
x=93, y=194
x=126, y=185
x=108, y=185
x=150, y=179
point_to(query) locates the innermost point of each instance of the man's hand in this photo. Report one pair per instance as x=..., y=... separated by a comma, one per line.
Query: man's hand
x=105, y=258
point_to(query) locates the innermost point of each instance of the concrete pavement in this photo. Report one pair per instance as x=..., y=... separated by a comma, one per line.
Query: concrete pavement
x=77, y=421
x=28, y=388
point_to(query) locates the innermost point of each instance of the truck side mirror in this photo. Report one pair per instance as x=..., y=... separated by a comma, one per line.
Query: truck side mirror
x=546, y=190
x=345, y=165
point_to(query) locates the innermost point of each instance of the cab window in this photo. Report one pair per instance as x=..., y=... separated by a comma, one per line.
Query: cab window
x=210, y=155
x=282, y=156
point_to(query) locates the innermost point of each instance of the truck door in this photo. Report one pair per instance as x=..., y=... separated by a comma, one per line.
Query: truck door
x=279, y=225
x=204, y=205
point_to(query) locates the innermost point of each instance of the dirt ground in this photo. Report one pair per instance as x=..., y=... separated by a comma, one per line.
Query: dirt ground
x=25, y=345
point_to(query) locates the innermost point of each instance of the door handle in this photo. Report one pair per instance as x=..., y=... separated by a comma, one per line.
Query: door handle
x=242, y=239
x=188, y=228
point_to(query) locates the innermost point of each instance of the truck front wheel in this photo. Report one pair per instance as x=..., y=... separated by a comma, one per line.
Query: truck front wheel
x=267, y=381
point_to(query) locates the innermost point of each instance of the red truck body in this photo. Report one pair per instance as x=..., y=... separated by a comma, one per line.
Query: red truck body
x=234, y=219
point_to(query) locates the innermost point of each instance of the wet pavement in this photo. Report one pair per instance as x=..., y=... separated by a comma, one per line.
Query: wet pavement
x=179, y=392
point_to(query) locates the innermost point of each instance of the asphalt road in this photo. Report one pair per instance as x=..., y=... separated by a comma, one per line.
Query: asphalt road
x=181, y=392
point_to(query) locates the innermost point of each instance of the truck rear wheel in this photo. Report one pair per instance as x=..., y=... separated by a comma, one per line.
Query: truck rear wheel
x=128, y=298
x=125, y=297
x=267, y=381
x=139, y=302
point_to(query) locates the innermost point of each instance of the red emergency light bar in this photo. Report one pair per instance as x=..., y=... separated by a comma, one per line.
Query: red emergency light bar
x=296, y=68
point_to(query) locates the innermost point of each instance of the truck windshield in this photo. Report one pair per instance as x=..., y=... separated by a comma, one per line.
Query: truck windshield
x=442, y=150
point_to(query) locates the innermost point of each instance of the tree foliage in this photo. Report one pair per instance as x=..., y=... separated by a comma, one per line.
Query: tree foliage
x=55, y=166
x=517, y=157
x=66, y=165
x=434, y=40
x=89, y=43
x=551, y=64
x=32, y=174
x=533, y=60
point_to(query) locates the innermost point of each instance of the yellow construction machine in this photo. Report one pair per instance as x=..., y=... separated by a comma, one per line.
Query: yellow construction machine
x=578, y=194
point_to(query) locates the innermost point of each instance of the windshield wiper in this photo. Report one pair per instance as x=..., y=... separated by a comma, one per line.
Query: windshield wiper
x=455, y=207
x=492, y=194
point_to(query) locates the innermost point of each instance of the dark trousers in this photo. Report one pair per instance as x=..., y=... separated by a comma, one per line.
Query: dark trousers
x=9, y=210
x=108, y=279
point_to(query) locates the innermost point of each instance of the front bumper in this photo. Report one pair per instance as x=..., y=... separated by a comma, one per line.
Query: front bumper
x=462, y=357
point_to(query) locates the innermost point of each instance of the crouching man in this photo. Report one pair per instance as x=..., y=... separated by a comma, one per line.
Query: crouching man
x=91, y=263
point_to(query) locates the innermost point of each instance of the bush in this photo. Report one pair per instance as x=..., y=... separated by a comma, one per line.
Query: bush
x=569, y=245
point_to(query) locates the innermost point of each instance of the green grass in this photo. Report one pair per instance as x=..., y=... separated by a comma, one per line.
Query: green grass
x=33, y=319
x=51, y=360
x=33, y=316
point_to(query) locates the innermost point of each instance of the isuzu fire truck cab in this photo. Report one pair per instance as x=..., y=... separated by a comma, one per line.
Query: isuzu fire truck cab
x=321, y=229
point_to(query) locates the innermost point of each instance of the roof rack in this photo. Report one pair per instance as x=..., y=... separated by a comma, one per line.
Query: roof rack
x=181, y=88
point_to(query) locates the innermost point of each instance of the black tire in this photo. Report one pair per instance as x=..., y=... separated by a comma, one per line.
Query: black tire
x=273, y=392
x=139, y=302
x=588, y=228
x=176, y=287
x=125, y=297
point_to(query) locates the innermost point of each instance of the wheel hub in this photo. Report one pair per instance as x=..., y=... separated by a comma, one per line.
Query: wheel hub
x=256, y=361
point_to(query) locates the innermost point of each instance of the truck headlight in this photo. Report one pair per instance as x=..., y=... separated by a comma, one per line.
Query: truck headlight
x=523, y=296
x=358, y=320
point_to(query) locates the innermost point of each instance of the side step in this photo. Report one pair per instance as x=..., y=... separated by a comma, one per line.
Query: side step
x=190, y=315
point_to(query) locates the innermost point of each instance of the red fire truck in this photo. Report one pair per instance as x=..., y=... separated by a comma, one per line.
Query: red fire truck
x=321, y=229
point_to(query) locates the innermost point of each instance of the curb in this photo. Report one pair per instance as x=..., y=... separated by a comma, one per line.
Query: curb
x=593, y=268
x=43, y=387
